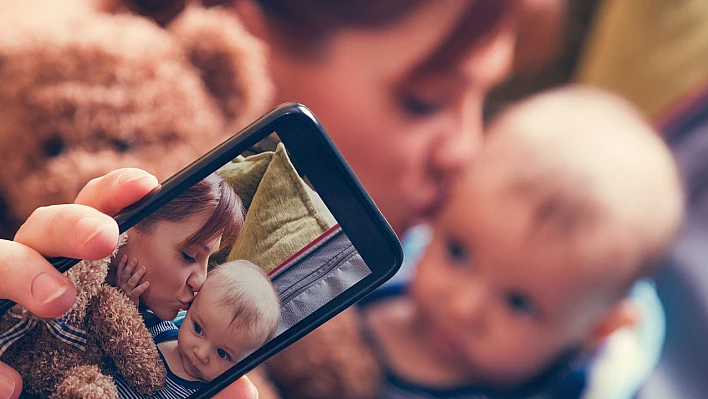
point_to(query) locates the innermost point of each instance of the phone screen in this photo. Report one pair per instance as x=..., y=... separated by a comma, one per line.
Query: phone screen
x=249, y=257
x=287, y=232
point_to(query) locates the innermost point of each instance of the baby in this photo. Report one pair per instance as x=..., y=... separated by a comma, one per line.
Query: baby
x=572, y=200
x=235, y=312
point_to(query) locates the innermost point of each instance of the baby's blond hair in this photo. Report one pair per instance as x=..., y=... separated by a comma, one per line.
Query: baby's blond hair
x=595, y=173
x=246, y=290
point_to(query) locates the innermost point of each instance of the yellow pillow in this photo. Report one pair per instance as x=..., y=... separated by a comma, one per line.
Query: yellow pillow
x=283, y=213
x=652, y=52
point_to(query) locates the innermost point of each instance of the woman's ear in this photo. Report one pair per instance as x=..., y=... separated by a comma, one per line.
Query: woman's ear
x=252, y=18
x=624, y=314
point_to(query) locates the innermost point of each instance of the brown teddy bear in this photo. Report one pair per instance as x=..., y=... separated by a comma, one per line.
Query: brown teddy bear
x=333, y=361
x=73, y=356
x=86, y=92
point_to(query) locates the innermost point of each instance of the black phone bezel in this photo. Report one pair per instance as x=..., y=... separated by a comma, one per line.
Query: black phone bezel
x=314, y=155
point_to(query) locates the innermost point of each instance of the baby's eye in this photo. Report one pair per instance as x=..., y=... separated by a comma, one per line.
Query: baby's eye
x=197, y=329
x=456, y=252
x=188, y=258
x=417, y=106
x=222, y=354
x=520, y=304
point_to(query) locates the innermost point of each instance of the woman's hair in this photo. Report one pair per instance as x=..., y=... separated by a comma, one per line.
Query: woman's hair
x=212, y=194
x=306, y=25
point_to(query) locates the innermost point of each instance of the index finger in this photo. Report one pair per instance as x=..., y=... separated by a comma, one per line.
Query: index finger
x=117, y=190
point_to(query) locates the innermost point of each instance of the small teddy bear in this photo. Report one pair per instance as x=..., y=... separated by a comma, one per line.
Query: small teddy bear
x=74, y=355
x=86, y=92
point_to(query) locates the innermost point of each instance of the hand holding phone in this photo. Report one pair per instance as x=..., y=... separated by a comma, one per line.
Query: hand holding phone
x=83, y=230
x=355, y=252
x=45, y=234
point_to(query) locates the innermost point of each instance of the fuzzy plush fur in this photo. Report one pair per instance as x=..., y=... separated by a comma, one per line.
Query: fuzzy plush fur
x=87, y=92
x=117, y=341
x=333, y=361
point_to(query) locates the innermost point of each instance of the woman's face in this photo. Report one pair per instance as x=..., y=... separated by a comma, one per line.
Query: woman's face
x=174, y=269
x=405, y=138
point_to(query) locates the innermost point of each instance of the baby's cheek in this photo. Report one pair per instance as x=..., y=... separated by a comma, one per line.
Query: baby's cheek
x=534, y=359
x=515, y=349
x=217, y=371
x=427, y=280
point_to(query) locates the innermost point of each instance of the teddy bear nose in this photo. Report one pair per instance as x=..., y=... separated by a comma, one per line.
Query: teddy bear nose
x=152, y=6
x=54, y=147
x=121, y=145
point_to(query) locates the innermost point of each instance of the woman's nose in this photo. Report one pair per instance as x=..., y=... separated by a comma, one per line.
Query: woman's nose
x=198, y=276
x=462, y=140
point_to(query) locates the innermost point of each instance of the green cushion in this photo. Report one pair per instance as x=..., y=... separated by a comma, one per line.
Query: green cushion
x=283, y=213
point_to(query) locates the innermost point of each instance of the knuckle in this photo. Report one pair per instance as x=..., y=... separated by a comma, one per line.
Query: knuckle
x=93, y=183
x=39, y=214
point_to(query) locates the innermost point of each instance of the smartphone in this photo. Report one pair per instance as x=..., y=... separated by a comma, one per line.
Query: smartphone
x=298, y=190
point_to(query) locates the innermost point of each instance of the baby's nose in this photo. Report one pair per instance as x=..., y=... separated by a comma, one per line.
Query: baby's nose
x=202, y=354
x=468, y=306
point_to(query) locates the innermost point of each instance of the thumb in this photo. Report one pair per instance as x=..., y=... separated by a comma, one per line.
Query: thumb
x=10, y=382
x=239, y=389
x=30, y=280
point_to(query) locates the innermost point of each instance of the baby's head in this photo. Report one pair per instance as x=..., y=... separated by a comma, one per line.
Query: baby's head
x=572, y=199
x=235, y=312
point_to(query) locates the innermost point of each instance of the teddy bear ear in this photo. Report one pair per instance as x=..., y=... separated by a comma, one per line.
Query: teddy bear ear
x=161, y=11
x=232, y=62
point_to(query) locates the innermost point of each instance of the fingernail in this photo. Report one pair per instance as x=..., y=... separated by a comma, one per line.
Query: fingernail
x=89, y=227
x=7, y=386
x=132, y=175
x=47, y=287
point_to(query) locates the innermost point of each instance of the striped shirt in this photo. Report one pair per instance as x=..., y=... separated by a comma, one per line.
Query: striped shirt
x=564, y=381
x=175, y=387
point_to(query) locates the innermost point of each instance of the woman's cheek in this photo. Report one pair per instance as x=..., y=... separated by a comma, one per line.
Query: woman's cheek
x=146, y=297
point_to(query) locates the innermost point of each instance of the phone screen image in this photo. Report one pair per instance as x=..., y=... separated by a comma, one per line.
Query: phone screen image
x=233, y=266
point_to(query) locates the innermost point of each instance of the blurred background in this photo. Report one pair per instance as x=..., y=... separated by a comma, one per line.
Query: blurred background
x=652, y=52
x=655, y=53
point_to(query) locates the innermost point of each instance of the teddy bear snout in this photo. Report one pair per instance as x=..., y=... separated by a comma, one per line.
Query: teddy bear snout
x=54, y=147
x=122, y=145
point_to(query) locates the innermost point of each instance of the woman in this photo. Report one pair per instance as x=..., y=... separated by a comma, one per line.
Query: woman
x=172, y=246
x=407, y=114
x=400, y=88
x=171, y=249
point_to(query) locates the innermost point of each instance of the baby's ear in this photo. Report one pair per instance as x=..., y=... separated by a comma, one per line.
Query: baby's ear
x=625, y=314
x=231, y=62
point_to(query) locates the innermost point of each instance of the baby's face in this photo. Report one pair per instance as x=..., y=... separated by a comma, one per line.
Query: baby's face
x=494, y=298
x=208, y=342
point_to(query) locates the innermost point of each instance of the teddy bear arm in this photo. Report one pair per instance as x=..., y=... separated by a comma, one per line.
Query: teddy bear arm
x=122, y=335
x=333, y=361
x=85, y=382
